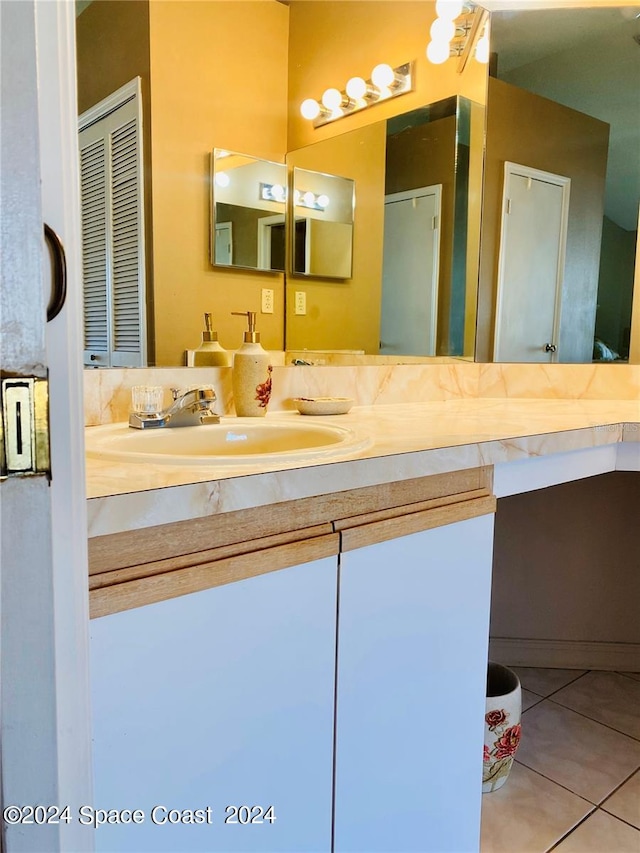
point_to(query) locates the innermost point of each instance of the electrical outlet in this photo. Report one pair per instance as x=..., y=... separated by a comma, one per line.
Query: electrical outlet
x=301, y=302
x=267, y=301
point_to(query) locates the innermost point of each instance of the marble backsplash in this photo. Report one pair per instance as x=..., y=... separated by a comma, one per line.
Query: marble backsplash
x=107, y=393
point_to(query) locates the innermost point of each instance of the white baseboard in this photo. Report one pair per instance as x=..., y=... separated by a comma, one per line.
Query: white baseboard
x=565, y=654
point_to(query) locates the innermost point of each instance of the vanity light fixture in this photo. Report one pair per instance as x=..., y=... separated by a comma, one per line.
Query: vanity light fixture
x=459, y=29
x=310, y=200
x=273, y=192
x=386, y=82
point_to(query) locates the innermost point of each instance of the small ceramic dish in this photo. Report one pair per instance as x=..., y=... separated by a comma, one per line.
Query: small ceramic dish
x=323, y=405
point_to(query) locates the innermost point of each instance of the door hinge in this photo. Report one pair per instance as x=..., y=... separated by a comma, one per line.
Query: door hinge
x=508, y=205
x=24, y=427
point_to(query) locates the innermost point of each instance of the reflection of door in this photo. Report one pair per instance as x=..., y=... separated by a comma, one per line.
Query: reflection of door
x=531, y=266
x=410, y=272
x=271, y=244
x=223, y=251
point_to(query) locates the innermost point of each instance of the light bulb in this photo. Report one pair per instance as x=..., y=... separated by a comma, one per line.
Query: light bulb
x=222, y=179
x=277, y=191
x=383, y=76
x=332, y=99
x=356, y=88
x=310, y=109
x=442, y=30
x=308, y=198
x=296, y=196
x=437, y=52
x=323, y=201
x=448, y=9
x=482, y=50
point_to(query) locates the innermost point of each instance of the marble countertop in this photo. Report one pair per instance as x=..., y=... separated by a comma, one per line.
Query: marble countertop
x=407, y=440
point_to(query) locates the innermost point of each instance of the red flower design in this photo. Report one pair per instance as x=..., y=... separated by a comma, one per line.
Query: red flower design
x=263, y=391
x=495, y=719
x=508, y=743
x=486, y=755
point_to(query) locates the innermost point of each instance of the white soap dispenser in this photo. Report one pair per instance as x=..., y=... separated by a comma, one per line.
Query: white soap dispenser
x=209, y=353
x=251, y=373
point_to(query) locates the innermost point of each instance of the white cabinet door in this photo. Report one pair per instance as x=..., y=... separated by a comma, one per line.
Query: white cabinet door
x=215, y=699
x=412, y=654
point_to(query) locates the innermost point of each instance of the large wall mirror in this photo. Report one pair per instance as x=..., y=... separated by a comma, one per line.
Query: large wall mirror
x=194, y=100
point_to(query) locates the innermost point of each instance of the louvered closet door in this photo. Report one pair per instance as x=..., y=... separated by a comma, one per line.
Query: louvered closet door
x=112, y=240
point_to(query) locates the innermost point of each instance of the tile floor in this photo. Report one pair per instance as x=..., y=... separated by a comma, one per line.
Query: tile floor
x=575, y=784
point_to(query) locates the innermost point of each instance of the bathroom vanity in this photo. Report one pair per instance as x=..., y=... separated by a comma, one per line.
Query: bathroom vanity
x=310, y=643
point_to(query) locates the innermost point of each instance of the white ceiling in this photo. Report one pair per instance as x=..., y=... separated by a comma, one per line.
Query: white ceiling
x=586, y=59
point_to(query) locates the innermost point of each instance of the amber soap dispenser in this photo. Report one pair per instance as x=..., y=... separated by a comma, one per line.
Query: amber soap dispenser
x=252, y=369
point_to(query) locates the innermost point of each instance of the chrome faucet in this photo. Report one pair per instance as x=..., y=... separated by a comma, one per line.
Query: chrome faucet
x=192, y=408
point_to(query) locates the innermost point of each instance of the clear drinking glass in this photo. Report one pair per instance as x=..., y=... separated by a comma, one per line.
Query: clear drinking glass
x=147, y=399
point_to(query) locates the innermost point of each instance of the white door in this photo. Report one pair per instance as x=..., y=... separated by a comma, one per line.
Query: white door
x=410, y=266
x=531, y=265
x=223, y=249
x=45, y=739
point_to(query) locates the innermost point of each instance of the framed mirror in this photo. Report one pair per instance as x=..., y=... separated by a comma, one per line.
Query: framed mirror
x=322, y=226
x=248, y=212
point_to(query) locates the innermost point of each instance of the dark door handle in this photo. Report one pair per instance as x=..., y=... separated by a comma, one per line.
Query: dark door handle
x=59, y=269
x=550, y=348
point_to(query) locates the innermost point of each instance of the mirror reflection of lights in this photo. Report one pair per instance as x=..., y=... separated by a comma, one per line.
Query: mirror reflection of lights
x=310, y=200
x=273, y=192
x=222, y=179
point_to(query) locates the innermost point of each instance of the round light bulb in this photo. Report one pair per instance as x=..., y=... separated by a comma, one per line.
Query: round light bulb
x=222, y=179
x=332, y=99
x=296, y=196
x=277, y=191
x=442, y=30
x=382, y=76
x=310, y=109
x=482, y=50
x=356, y=88
x=323, y=200
x=448, y=9
x=308, y=198
x=437, y=52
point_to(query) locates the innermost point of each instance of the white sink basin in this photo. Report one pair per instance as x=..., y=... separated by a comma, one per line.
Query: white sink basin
x=234, y=441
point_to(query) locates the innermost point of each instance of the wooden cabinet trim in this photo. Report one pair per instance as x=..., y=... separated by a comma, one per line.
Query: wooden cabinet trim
x=142, y=567
x=391, y=528
x=159, y=587
x=151, y=544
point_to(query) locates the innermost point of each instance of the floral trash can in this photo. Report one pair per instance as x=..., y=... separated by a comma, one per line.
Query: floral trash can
x=502, y=727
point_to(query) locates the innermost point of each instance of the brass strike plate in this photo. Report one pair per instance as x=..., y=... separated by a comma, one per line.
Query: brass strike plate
x=24, y=427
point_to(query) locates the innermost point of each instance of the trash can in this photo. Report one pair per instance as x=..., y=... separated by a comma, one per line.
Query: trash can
x=502, y=727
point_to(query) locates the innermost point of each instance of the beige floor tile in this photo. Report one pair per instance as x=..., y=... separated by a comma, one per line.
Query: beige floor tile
x=635, y=675
x=529, y=699
x=625, y=803
x=528, y=814
x=584, y=756
x=601, y=833
x=607, y=697
x=545, y=681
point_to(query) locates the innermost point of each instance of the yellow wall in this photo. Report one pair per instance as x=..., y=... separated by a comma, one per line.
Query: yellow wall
x=218, y=81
